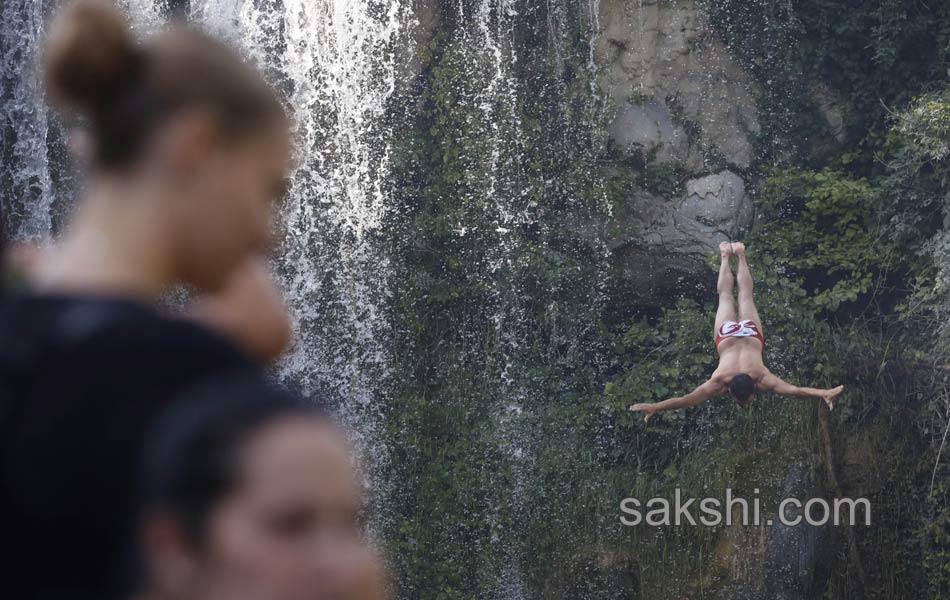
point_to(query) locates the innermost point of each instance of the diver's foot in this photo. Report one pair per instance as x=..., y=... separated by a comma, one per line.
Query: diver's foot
x=738, y=248
x=725, y=249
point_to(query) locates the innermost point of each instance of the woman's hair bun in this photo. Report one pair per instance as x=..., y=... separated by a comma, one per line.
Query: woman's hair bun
x=89, y=53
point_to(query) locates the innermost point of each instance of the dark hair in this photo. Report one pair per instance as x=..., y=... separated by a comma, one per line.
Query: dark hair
x=127, y=90
x=191, y=459
x=742, y=387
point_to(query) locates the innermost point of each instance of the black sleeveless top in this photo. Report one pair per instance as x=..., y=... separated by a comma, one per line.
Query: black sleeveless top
x=81, y=379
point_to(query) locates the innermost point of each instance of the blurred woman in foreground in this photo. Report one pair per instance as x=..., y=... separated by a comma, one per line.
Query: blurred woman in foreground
x=189, y=149
x=252, y=495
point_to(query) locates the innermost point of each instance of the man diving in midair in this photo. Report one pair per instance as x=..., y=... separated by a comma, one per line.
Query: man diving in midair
x=739, y=342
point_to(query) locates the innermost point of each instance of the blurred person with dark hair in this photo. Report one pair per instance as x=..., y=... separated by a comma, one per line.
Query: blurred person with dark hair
x=250, y=494
x=188, y=149
x=739, y=342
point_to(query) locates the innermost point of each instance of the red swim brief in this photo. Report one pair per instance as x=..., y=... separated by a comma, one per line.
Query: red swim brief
x=745, y=328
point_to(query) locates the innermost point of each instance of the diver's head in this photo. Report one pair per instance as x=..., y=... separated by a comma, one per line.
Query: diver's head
x=742, y=388
x=182, y=126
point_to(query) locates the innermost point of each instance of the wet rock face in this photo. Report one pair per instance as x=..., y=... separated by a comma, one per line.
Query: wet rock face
x=677, y=97
x=414, y=55
x=595, y=572
x=662, y=244
x=769, y=561
x=647, y=128
x=716, y=207
x=675, y=88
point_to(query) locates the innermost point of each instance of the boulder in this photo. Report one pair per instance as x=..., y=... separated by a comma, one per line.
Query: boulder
x=661, y=246
x=831, y=107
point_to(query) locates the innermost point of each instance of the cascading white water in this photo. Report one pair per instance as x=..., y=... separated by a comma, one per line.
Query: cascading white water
x=340, y=60
x=26, y=182
x=146, y=15
x=338, y=64
x=493, y=94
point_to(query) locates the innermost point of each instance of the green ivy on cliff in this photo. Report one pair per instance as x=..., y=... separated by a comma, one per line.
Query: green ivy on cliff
x=509, y=441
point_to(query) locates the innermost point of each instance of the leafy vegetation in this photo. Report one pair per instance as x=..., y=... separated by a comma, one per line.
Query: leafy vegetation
x=510, y=443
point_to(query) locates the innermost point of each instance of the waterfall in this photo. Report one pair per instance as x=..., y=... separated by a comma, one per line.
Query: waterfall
x=340, y=59
x=26, y=184
x=342, y=67
x=493, y=93
x=497, y=237
x=336, y=61
x=339, y=65
x=146, y=15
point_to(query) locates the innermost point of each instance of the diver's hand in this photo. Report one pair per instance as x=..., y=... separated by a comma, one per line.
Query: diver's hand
x=647, y=409
x=829, y=395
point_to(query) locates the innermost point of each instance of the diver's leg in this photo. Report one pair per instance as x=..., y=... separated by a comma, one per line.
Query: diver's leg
x=727, y=303
x=747, y=309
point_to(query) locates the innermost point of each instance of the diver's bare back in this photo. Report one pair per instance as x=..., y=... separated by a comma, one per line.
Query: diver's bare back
x=739, y=341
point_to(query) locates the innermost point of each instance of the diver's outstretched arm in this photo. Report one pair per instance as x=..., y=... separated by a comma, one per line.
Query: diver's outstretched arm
x=697, y=396
x=775, y=384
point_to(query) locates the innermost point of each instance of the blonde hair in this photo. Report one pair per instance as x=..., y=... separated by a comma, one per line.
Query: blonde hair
x=127, y=89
